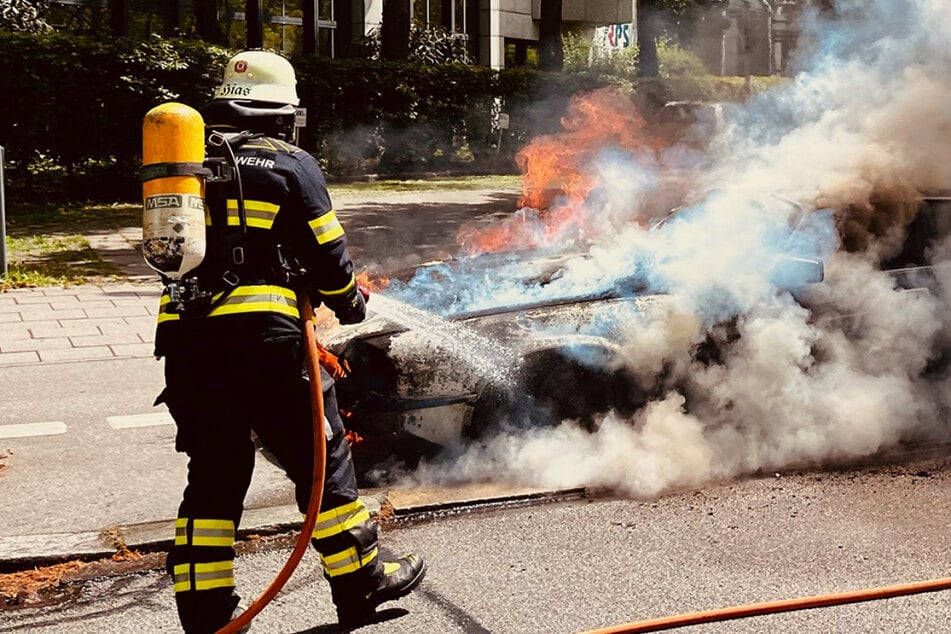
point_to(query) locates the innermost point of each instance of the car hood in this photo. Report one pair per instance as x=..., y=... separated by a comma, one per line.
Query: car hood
x=463, y=354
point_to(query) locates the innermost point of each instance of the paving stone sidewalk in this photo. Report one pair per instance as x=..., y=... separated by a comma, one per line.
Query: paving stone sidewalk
x=82, y=323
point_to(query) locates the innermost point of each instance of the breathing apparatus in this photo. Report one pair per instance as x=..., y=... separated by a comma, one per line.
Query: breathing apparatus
x=258, y=92
x=173, y=175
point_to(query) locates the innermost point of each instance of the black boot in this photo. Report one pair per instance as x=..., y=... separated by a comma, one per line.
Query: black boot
x=207, y=611
x=238, y=611
x=391, y=580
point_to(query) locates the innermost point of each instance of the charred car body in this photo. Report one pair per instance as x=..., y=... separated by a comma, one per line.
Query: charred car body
x=422, y=381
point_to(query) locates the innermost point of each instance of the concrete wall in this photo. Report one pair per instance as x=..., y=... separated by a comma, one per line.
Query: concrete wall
x=516, y=20
x=595, y=12
x=519, y=20
x=491, y=41
x=746, y=45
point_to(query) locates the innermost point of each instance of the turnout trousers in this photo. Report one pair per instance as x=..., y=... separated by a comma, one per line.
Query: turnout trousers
x=219, y=397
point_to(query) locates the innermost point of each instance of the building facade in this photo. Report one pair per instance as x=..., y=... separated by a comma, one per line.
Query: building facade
x=500, y=33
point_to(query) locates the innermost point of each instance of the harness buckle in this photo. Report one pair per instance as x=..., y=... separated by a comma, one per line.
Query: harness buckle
x=237, y=255
x=216, y=139
x=231, y=278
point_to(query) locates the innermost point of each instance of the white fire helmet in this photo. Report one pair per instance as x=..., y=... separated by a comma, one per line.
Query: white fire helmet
x=259, y=76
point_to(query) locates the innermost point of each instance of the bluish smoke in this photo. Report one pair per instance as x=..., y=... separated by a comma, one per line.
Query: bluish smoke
x=749, y=235
x=884, y=33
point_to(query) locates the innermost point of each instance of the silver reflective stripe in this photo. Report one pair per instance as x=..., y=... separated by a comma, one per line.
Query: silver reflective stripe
x=347, y=561
x=264, y=297
x=212, y=536
x=212, y=532
x=326, y=228
x=216, y=574
x=342, y=518
x=255, y=298
x=258, y=213
x=352, y=558
x=212, y=574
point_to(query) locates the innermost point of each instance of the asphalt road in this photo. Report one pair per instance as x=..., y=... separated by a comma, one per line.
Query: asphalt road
x=573, y=567
x=98, y=472
x=554, y=568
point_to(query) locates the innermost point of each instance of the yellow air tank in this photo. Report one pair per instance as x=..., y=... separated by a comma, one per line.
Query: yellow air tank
x=173, y=189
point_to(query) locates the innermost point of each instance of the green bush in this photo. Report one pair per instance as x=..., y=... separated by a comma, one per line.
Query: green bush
x=675, y=61
x=80, y=103
x=73, y=128
x=24, y=15
x=683, y=77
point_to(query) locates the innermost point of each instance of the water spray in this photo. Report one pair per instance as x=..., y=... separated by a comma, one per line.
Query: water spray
x=483, y=355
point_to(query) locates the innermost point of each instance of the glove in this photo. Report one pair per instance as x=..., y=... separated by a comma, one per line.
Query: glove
x=353, y=310
x=365, y=292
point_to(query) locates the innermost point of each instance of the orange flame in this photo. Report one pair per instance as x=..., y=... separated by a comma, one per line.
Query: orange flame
x=353, y=438
x=372, y=284
x=559, y=175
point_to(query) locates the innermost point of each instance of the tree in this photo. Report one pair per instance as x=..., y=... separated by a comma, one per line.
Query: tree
x=23, y=15
x=207, y=23
x=647, y=33
x=394, y=31
x=551, y=55
x=650, y=26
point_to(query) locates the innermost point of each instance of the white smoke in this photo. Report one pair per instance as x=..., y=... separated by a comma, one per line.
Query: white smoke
x=846, y=145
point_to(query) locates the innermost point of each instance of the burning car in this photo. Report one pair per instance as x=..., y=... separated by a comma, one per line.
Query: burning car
x=540, y=349
x=679, y=349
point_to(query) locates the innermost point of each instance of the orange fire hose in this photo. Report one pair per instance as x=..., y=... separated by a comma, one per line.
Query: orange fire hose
x=317, y=484
x=774, y=607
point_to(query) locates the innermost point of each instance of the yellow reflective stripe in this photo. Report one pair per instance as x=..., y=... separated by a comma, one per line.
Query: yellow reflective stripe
x=254, y=205
x=246, y=299
x=255, y=299
x=340, y=519
x=346, y=561
x=340, y=291
x=181, y=531
x=326, y=228
x=164, y=315
x=181, y=578
x=217, y=574
x=213, y=533
x=258, y=213
x=220, y=524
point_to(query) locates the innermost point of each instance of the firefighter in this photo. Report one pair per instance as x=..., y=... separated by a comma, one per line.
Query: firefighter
x=234, y=363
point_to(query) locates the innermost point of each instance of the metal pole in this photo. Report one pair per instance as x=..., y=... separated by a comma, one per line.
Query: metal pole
x=3, y=221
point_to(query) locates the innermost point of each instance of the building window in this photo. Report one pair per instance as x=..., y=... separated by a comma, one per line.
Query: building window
x=283, y=30
x=521, y=53
x=449, y=14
